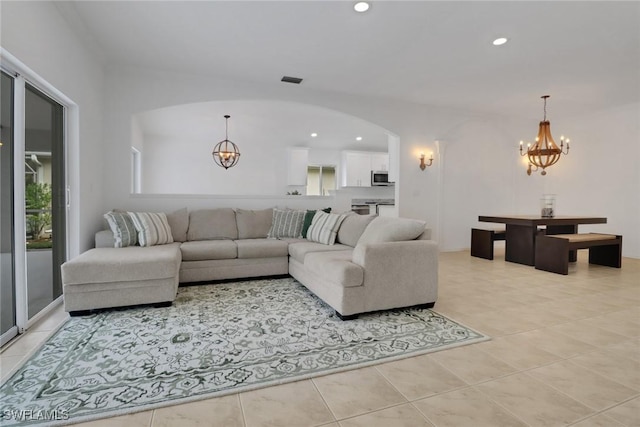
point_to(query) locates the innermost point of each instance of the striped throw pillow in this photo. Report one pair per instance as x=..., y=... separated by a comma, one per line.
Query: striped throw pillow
x=121, y=225
x=324, y=227
x=286, y=223
x=153, y=228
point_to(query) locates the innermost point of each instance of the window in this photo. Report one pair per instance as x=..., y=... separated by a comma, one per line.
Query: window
x=320, y=180
x=136, y=171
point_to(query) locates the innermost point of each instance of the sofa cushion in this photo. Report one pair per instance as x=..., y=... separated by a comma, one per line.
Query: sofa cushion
x=105, y=265
x=286, y=223
x=352, y=228
x=212, y=224
x=324, y=227
x=387, y=229
x=208, y=250
x=262, y=248
x=179, y=223
x=299, y=250
x=293, y=240
x=124, y=232
x=153, y=228
x=253, y=224
x=335, y=266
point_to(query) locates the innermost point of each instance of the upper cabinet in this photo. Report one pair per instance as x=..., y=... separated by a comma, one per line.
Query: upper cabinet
x=297, y=164
x=380, y=162
x=357, y=167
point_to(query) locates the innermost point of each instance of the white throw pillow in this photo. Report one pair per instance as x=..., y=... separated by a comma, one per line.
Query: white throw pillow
x=153, y=228
x=386, y=229
x=324, y=227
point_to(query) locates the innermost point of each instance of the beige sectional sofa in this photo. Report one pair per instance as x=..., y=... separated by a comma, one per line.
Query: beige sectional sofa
x=376, y=263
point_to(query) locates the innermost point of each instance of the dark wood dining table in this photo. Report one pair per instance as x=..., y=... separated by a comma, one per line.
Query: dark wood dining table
x=521, y=231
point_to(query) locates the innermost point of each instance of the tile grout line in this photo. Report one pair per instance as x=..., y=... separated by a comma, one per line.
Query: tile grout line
x=315, y=386
x=244, y=415
x=244, y=418
x=337, y=419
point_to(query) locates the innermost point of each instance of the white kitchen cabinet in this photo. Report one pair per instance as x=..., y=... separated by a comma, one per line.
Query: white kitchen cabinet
x=380, y=162
x=297, y=164
x=357, y=167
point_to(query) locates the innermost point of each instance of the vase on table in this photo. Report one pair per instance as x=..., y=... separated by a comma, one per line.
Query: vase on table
x=548, y=205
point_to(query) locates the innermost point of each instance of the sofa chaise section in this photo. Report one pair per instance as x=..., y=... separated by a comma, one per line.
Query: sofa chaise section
x=115, y=277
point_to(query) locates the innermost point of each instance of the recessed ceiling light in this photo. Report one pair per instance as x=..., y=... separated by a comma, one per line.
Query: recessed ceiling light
x=358, y=138
x=313, y=135
x=500, y=41
x=361, y=6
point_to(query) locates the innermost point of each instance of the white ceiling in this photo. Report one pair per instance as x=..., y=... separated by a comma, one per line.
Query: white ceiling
x=586, y=55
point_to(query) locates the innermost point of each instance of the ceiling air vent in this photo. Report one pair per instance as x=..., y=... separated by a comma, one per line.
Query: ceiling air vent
x=294, y=80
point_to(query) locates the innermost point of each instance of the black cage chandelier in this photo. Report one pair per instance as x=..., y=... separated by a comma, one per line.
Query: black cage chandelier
x=226, y=153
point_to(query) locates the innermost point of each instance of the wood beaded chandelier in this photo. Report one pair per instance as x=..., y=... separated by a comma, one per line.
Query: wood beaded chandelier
x=226, y=153
x=544, y=152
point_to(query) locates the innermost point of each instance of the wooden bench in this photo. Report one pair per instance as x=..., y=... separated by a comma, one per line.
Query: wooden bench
x=482, y=241
x=552, y=251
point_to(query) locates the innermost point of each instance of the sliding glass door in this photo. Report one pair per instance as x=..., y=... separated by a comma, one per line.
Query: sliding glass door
x=8, y=327
x=33, y=203
x=44, y=186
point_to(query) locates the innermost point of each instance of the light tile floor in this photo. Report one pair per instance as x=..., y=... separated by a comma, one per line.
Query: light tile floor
x=565, y=351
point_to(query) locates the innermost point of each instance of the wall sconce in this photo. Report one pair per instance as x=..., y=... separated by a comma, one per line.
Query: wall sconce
x=423, y=165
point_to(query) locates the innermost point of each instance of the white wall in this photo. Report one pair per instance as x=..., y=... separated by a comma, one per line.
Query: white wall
x=600, y=177
x=169, y=168
x=37, y=35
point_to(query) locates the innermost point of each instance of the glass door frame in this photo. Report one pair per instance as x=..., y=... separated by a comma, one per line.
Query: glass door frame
x=22, y=75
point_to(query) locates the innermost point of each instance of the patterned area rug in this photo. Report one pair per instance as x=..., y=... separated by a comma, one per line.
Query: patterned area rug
x=214, y=340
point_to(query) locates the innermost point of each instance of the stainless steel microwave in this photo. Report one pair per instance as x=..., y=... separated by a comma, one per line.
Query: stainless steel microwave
x=380, y=179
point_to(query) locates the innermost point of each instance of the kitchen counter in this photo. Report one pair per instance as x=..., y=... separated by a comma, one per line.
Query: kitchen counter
x=370, y=206
x=373, y=202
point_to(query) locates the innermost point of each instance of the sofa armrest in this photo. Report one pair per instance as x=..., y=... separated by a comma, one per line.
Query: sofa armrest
x=401, y=273
x=426, y=235
x=105, y=239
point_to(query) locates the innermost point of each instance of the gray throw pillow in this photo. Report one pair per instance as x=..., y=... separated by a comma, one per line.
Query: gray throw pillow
x=153, y=228
x=324, y=227
x=121, y=225
x=286, y=223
